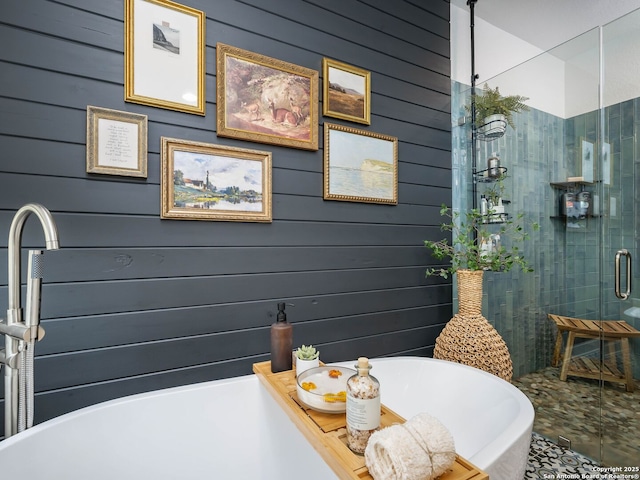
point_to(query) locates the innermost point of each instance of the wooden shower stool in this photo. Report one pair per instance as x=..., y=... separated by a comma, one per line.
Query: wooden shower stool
x=611, y=331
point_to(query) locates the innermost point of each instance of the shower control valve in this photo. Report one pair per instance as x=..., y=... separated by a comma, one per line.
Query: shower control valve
x=11, y=361
x=17, y=330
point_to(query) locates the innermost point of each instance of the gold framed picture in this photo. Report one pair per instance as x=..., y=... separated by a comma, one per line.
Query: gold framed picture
x=346, y=92
x=360, y=166
x=164, y=55
x=262, y=99
x=116, y=142
x=202, y=181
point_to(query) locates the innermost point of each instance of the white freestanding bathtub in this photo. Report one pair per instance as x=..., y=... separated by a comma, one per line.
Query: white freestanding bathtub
x=233, y=429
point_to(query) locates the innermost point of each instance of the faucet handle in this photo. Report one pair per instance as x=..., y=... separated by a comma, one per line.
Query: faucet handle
x=10, y=361
x=17, y=331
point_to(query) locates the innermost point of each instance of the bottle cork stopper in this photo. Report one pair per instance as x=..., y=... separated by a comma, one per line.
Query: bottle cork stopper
x=363, y=365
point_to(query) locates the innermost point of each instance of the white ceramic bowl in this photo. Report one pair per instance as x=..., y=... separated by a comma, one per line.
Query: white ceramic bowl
x=324, y=389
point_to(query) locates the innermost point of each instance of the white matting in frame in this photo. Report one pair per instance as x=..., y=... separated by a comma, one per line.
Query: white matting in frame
x=164, y=55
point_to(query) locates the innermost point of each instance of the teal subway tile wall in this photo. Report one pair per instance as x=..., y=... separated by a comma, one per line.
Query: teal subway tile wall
x=572, y=261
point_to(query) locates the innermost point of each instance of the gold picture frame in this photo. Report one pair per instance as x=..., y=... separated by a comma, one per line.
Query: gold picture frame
x=203, y=181
x=346, y=92
x=262, y=99
x=116, y=142
x=164, y=55
x=359, y=165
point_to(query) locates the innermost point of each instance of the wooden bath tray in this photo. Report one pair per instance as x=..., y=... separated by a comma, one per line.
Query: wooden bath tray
x=328, y=435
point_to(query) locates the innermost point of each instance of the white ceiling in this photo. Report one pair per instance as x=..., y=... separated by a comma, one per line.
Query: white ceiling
x=548, y=23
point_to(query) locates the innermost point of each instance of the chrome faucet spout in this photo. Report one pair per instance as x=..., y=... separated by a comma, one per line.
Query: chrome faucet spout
x=15, y=240
x=14, y=322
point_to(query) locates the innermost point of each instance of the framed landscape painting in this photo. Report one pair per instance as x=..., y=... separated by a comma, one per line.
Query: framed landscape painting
x=202, y=181
x=346, y=92
x=360, y=166
x=262, y=99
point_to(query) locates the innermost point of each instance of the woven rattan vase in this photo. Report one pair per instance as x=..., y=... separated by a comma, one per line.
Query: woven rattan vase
x=468, y=338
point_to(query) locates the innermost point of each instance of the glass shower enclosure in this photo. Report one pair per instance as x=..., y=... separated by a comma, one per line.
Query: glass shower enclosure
x=573, y=167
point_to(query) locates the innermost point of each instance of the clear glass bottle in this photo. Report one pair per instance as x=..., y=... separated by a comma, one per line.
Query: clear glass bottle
x=493, y=166
x=363, y=406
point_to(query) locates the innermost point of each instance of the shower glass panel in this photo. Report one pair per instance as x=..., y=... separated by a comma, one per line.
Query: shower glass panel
x=571, y=167
x=620, y=162
x=551, y=168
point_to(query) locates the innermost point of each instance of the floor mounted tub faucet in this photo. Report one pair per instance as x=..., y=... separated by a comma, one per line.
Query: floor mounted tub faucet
x=20, y=335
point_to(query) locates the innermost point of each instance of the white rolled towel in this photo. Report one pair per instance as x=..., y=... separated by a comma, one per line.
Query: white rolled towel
x=420, y=449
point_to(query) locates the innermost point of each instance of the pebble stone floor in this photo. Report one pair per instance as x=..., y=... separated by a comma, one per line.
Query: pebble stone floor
x=573, y=409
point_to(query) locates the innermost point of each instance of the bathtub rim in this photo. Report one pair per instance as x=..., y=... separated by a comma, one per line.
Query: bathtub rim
x=134, y=397
x=516, y=432
x=484, y=458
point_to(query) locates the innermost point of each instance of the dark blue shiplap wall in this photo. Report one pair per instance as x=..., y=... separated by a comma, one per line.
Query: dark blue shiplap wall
x=132, y=302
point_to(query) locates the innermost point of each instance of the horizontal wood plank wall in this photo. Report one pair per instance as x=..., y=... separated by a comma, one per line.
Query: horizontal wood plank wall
x=133, y=303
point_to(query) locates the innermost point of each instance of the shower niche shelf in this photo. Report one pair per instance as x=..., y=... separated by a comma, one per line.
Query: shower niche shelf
x=570, y=185
x=568, y=206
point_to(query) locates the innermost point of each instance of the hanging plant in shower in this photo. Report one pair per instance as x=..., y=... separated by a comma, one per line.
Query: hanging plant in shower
x=493, y=112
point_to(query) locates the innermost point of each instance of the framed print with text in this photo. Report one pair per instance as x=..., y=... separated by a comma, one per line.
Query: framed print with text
x=116, y=142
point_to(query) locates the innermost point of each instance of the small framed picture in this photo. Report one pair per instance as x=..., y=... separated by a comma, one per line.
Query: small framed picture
x=586, y=160
x=202, y=181
x=346, y=92
x=116, y=142
x=360, y=166
x=607, y=164
x=262, y=99
x=164, y=55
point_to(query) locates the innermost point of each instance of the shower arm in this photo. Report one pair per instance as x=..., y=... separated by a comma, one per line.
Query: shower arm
x=15, y=330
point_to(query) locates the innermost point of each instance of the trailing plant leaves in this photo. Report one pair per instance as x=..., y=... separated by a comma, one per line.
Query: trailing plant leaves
x=467, y=233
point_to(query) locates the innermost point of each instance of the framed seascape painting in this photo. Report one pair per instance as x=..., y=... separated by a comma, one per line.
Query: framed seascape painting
x=360, y=166
x=116, y=142
x=262, y=99
x=164, y=55
x=346, y=92
x=202, y=181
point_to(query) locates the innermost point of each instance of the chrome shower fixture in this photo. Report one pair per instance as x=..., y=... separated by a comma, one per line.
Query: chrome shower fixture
x=20, y=336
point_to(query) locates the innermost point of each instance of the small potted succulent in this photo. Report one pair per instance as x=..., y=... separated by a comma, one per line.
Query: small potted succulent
x=306, y=357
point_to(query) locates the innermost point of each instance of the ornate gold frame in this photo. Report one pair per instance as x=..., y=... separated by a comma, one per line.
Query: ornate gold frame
x=355, y=172
x=119, y=147
x=279, y=109
x=214, y=156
